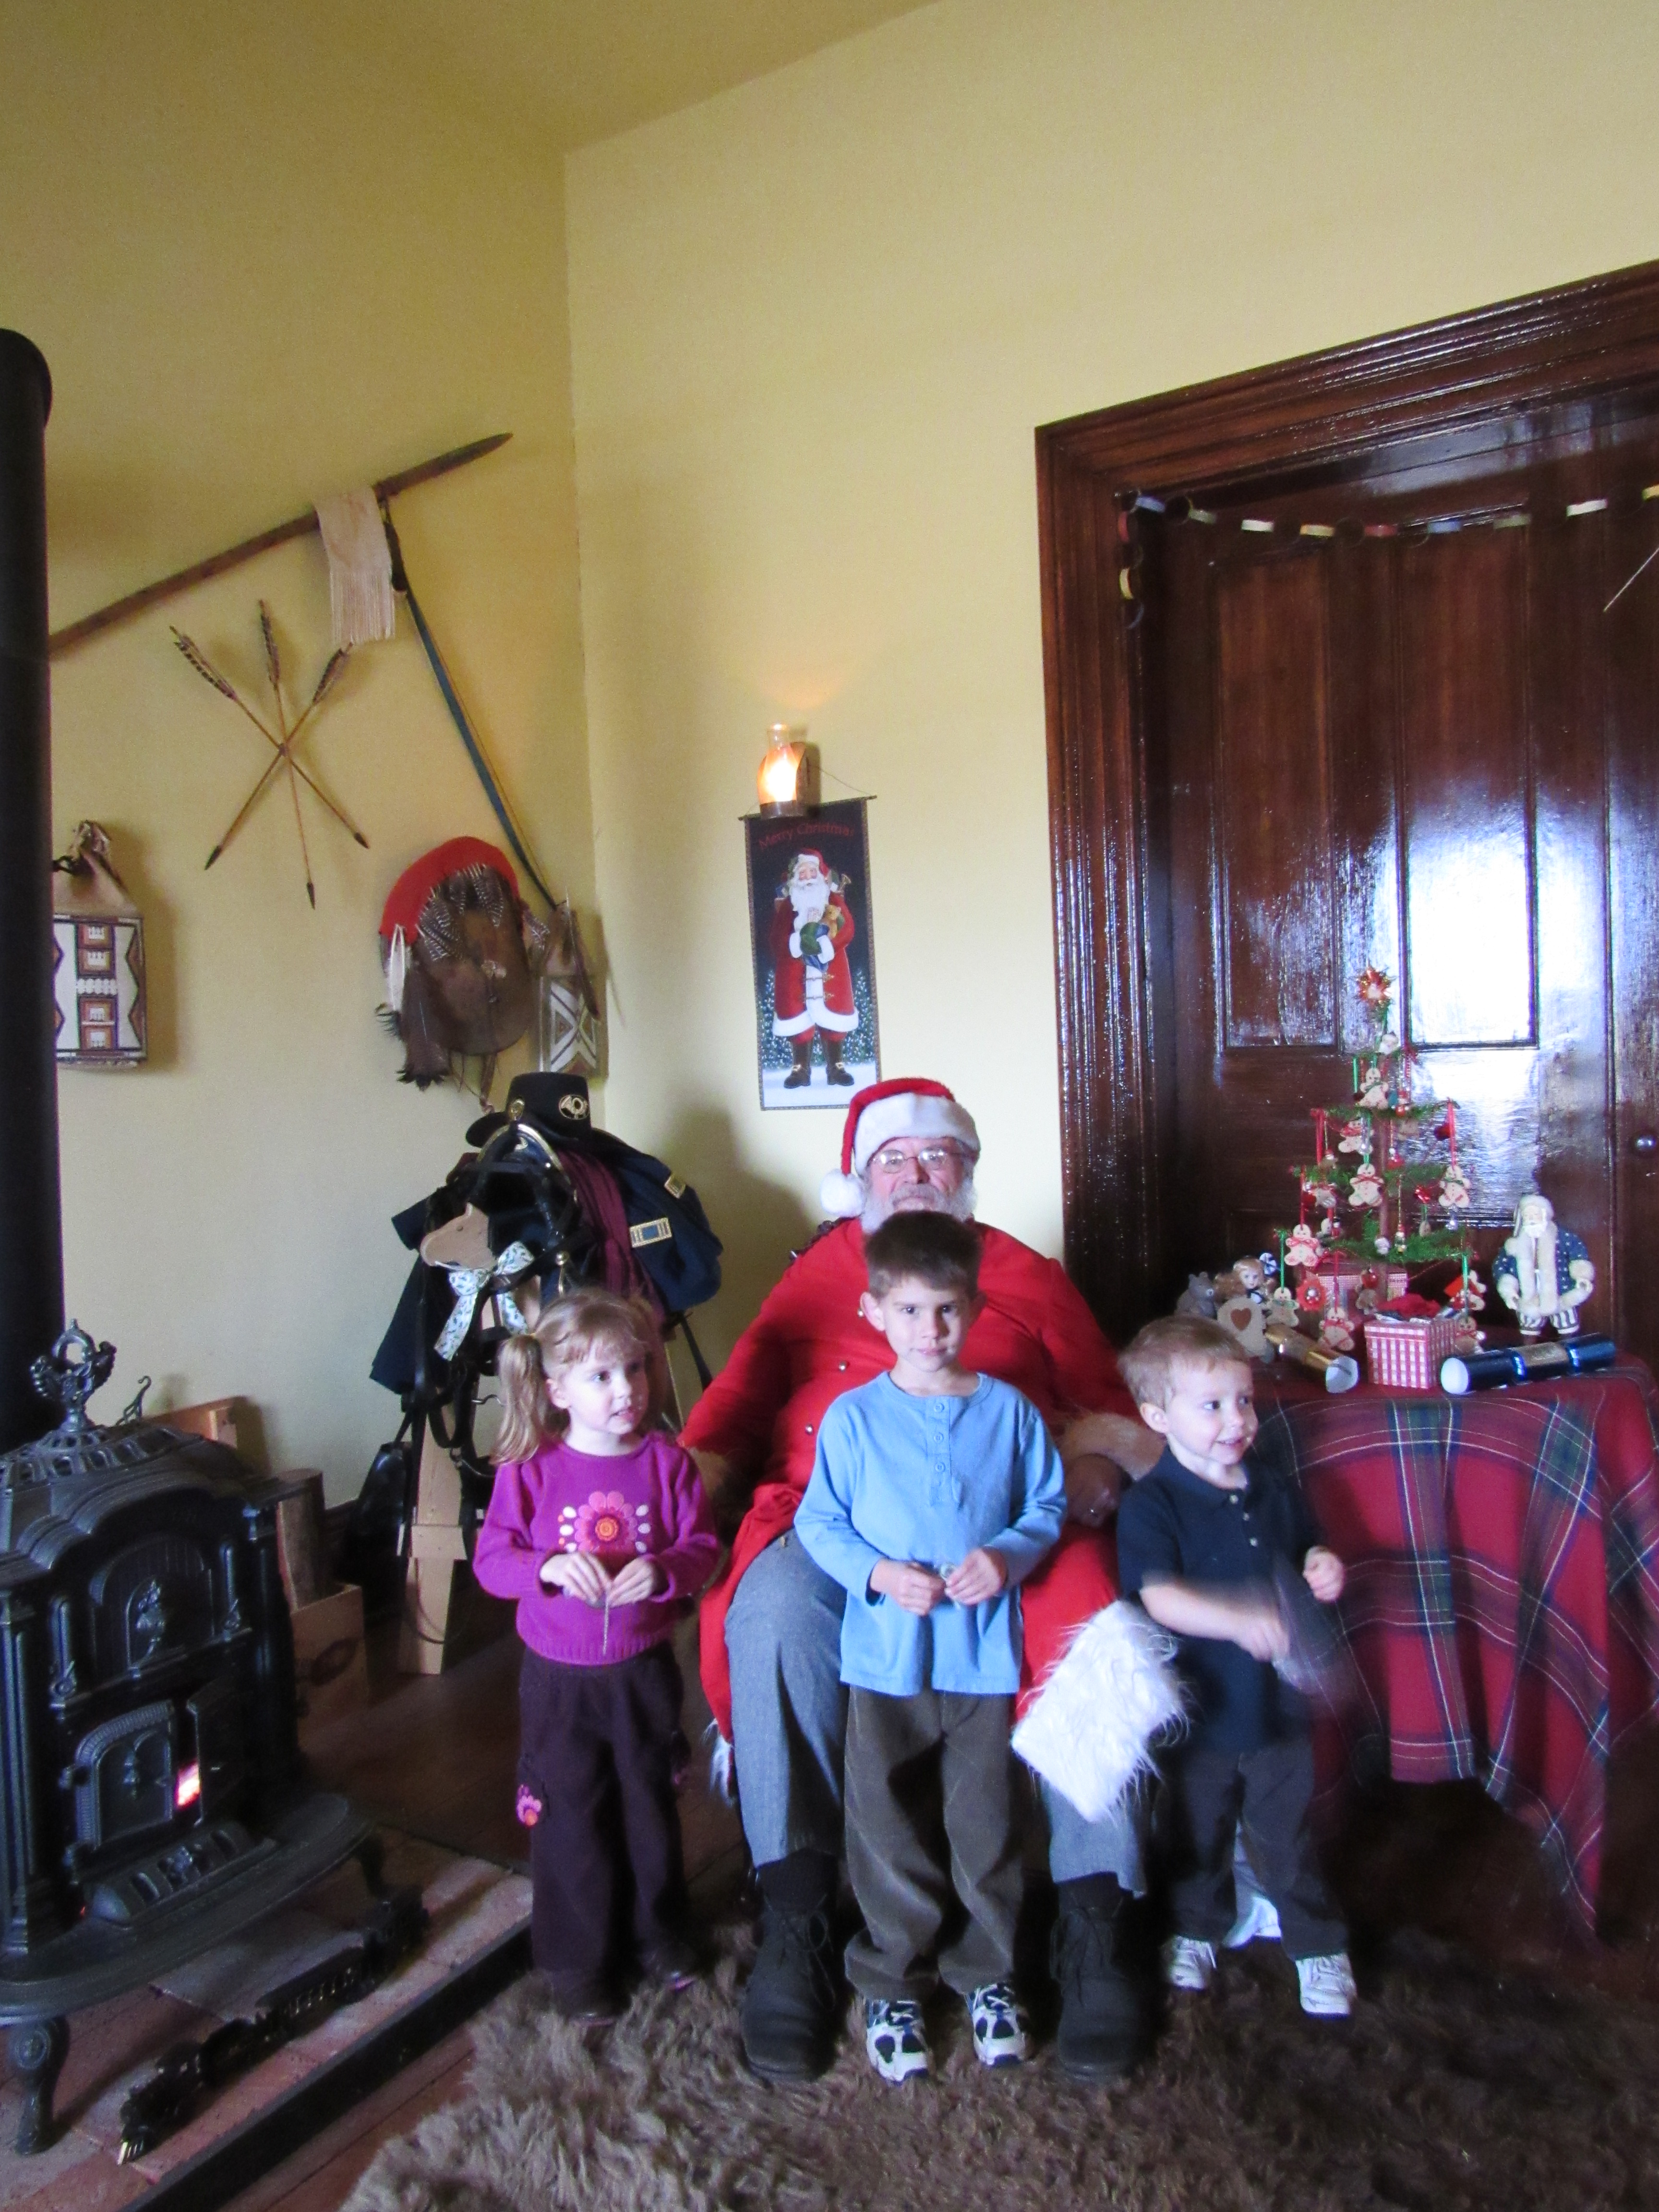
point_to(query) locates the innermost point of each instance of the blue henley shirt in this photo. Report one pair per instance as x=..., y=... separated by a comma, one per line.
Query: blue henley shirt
x=901, y=1477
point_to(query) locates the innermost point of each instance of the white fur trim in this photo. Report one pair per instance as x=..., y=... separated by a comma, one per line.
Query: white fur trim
x=910, y=1113
x=1112, y=1692
x=842, y=1196
x=722, y=1771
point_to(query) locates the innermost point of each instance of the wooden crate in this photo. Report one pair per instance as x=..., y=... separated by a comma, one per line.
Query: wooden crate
x=213, y=1419
x=301, y=1549
x=330, y=1668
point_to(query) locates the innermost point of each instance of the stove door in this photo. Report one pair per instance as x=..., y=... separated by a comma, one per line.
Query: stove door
x=153, y=1601
x=221, y=1763
x=126, y=1777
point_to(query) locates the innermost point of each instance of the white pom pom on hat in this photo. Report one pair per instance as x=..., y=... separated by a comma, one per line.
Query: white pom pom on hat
x=905, y=1106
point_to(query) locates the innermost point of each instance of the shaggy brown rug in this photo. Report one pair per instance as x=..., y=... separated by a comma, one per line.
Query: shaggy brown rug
x=1456, y=2088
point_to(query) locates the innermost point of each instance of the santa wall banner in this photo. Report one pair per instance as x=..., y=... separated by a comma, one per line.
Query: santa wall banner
x=812, y=934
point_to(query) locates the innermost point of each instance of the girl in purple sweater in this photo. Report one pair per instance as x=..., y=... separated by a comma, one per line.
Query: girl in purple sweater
x=598, y=1527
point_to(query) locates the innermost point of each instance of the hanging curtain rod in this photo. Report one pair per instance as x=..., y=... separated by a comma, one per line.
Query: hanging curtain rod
x=297, y=526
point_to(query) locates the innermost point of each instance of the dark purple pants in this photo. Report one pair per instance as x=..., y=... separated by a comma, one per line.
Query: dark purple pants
x=599, y=1747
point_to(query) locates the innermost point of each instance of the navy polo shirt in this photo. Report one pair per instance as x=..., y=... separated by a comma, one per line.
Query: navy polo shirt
x=1174, y=1526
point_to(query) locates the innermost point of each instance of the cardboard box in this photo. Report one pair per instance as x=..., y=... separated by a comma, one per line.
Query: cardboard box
x=330, y=1668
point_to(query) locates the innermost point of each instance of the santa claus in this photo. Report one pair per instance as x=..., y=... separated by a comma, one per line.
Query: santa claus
x=771, y=1626
x=812, y=981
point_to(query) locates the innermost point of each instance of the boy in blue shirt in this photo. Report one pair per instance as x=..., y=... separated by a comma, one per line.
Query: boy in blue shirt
x=934, y=1492
x=1205, y=1541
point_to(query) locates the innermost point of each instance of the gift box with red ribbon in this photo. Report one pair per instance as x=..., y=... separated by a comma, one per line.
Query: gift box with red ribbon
x=1405, y=1341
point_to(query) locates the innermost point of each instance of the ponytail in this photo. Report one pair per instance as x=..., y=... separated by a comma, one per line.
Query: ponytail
x=528, y=1420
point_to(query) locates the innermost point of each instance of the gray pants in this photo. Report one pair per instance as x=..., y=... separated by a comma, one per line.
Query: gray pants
x=915, y=1766
x=789, y=1727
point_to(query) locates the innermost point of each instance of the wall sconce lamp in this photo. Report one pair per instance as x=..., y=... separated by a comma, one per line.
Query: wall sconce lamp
x=781, y=780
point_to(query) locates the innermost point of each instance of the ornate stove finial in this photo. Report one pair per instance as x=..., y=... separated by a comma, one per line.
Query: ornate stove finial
x=68, y=1374
x=79, y=1447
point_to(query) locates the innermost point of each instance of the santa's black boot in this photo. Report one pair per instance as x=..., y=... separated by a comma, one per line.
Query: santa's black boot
x=800, y=1051
x=1102, y=2016
x=835, y=1069
x=792, y=2006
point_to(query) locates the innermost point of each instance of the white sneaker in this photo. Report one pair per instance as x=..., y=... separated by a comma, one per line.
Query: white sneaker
x=999, y=2025
x=1188, y=1963
x=1327, y=1986
x=1257, y=1920
x=895, y=2041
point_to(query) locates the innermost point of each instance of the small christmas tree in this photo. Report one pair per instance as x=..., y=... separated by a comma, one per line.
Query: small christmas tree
x=1385, y=1183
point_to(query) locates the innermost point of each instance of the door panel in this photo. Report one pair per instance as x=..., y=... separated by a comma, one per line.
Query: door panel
x=1278, y=897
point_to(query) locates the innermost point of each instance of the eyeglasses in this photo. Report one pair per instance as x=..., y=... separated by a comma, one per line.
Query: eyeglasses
x=931, y=1156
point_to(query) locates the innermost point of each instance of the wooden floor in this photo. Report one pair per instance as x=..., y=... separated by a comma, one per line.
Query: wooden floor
x=436, y=1756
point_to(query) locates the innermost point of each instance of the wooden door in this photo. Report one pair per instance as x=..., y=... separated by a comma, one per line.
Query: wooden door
x=1435, y=747
x=1431, y=753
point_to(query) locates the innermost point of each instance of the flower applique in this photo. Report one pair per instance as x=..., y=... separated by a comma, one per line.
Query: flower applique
x=605, y=1522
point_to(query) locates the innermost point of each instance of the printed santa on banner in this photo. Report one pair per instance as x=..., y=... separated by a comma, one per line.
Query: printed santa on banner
x=813, y=982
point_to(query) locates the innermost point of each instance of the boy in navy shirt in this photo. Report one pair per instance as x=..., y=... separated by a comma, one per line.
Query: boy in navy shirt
x=935, y=1490
x=1200, y=1540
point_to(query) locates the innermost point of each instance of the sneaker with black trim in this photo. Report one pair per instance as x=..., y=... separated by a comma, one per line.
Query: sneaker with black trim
x=999, y=2025
x=1256, y=1921
x=1327, y=1986
x=1188, y=1963
x=895, y=2038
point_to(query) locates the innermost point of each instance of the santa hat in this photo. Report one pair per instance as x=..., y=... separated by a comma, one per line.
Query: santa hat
x=907, y=1106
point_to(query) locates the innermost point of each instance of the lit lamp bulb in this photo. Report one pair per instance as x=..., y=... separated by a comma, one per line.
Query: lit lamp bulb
x=779, y=781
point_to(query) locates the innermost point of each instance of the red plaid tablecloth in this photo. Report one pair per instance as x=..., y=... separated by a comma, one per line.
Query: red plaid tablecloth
x=1502, y=1596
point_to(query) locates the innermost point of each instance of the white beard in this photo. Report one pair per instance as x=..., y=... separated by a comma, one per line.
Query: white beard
x=918, y=1198
x=811, y=901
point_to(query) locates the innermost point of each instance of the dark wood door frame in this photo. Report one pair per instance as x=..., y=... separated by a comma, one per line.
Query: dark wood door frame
x=1456, y=388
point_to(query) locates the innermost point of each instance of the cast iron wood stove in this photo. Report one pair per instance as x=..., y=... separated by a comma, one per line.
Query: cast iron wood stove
x=152, y=1800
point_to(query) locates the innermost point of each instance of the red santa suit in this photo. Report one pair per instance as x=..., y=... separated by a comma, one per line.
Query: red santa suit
x=807, y=995
x=810, y=1342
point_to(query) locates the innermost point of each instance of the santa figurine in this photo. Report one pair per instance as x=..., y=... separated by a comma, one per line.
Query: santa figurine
x=1543, y=1274
x=812, y=981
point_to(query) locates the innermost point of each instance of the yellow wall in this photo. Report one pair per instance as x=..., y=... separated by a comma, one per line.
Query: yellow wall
x=270, y=253
x=815, y=322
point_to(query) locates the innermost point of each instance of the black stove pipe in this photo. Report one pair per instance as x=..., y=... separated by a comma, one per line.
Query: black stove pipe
x=31, y=1231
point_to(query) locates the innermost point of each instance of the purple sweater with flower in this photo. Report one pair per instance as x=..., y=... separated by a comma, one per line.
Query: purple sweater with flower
x=646, y=1502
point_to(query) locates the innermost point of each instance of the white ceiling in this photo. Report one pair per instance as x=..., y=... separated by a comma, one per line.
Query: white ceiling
x=578, y=71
